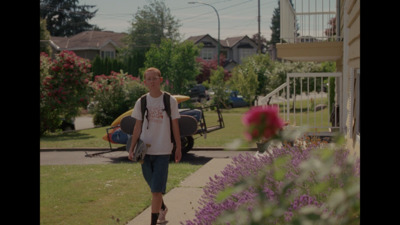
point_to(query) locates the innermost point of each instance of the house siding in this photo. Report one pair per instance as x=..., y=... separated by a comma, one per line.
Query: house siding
x=230, y=47
x=237, y=49
x=87, y=54
x=209, y=43
x=351, y=62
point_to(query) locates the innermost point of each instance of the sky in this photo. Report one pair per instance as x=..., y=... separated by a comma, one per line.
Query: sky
x=237, y=17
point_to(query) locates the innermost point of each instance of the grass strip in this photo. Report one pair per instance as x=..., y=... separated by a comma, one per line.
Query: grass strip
x=98, y=194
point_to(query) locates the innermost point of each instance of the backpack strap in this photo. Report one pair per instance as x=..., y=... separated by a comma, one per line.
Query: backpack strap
x=167, y=105
x=143, y=106
x=167, y=108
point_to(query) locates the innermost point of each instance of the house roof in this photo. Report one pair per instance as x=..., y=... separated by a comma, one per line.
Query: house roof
x=88, y=40
x=228, y=42
x=197, y=39
x=232, y=41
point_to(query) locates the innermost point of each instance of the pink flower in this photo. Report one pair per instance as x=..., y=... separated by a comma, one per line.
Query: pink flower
x=262, y=122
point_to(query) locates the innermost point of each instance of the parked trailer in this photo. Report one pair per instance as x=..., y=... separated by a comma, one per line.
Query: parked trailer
x=120, y=133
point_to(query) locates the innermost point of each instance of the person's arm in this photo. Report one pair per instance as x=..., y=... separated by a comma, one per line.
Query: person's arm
x=137, y=130
x=177, y=137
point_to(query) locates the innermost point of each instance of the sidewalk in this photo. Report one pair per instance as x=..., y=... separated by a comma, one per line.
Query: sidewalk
x=182, y=201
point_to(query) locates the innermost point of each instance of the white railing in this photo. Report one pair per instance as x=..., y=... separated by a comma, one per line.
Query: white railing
x=304, y=101
x=275, y=97
x=309, y=21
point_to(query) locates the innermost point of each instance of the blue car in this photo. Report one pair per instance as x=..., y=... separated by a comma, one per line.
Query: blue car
x=236, y=100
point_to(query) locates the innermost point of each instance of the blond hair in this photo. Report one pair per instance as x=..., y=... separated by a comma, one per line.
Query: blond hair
x=152, y=69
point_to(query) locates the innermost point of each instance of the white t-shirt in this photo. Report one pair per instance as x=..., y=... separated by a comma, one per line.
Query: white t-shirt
x=156, y=130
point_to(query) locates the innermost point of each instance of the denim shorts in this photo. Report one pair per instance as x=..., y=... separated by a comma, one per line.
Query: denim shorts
x=155, y=172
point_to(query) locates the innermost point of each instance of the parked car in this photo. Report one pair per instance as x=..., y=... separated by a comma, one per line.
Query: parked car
x=198, y=92
x=236, y=100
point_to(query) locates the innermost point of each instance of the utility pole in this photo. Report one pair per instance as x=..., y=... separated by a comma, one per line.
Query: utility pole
x=259, y=33
x=218, y=45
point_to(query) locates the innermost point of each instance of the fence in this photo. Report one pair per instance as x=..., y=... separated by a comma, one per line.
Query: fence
x=309, y=21
x=308, y=99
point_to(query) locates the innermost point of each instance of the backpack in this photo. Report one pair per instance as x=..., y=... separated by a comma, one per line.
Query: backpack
x=167, y=108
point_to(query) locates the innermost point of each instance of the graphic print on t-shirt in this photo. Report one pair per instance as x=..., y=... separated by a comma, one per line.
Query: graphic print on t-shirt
x=155, y=114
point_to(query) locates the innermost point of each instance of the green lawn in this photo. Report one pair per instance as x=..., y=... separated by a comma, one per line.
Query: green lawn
x=98, y=194
x=115, y=193
x=93, y=137
x=233, y=129
x=106, y=194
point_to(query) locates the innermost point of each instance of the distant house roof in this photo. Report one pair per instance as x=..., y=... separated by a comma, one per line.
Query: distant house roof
x=227, y=43
x=232, y=41
x=93, y=40
x=197, y=39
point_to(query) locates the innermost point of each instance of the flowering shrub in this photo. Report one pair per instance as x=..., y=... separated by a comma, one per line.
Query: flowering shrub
x=310, y=182
x=114, y=95
x=262, y=122
x=284, y=187
x=63, y=88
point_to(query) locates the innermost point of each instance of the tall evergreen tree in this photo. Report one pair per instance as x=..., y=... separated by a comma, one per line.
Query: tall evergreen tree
x=66, y=17
x=276, y=25
x=44, y=36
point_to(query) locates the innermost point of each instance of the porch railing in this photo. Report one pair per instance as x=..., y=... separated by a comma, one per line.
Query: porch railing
x=306, y=99
x=309, y=21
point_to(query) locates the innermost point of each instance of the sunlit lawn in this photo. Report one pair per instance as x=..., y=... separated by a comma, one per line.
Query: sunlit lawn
x=98, y=194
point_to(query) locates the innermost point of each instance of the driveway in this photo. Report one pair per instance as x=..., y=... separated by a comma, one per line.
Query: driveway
x=83, y=122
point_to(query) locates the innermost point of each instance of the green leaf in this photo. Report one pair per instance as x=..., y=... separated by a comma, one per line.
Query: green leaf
x=223, y=195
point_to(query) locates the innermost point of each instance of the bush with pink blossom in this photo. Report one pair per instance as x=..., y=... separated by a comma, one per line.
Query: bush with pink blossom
x=63, y=88
x=113, y=95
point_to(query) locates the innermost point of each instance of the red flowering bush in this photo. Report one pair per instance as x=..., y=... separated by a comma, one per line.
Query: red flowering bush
x=114, y=95
x=63, y=88
x=262, y=123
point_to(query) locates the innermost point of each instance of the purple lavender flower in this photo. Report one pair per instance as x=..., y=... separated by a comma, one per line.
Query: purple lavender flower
x=247, y=165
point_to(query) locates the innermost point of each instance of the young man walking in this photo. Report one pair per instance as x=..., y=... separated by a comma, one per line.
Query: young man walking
x=155, y=131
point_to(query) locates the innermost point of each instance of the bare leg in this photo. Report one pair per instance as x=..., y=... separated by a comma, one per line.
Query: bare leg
x=156, y=202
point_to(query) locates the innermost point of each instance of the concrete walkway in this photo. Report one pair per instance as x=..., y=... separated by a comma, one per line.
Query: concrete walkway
x=182, y=201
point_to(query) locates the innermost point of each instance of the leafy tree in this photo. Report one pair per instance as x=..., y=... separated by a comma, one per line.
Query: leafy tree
x=245, y=80
x=177, y=63
x=219, y=85
x=44, y=35
x=263, y=42
x=151, y=24
x=66, y=17
x=207, y=66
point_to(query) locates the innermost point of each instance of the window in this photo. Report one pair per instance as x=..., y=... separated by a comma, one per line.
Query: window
x=109, y=54
x=245, y=52
x=207, y=53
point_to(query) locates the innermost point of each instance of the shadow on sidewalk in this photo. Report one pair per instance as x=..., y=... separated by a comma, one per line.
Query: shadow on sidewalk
x=194, y=159
x=190, y=158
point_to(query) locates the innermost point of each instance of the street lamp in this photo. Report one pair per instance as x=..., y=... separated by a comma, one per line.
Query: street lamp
x=218, y=24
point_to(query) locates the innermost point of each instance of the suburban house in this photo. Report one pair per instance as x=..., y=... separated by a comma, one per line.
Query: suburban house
x=317, y=31
x=89, y=44
x=234, y=48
